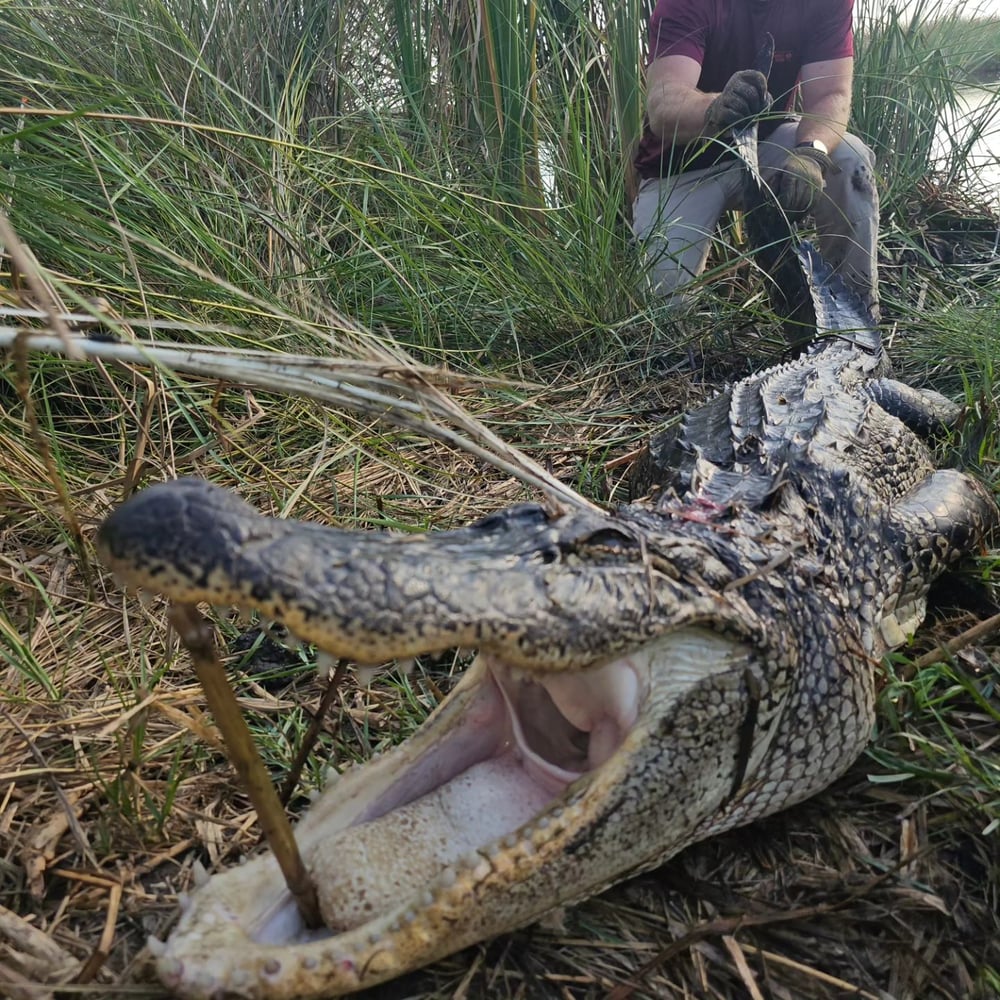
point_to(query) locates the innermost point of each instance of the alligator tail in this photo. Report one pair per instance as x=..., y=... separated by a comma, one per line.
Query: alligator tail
x=837, y=308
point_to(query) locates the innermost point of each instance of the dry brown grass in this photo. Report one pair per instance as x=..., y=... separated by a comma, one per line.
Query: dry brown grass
x=112, y=780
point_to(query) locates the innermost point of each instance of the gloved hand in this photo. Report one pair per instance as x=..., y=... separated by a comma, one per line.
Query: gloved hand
x=798, y=182
x=743, y=98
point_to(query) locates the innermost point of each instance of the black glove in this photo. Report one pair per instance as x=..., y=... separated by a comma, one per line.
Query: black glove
x=798, y=182
x=742, y=99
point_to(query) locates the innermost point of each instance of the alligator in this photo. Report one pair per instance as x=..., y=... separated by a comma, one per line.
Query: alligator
x=646, y=677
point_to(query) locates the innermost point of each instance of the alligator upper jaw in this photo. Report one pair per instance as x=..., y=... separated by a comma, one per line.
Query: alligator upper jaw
x=444, y=841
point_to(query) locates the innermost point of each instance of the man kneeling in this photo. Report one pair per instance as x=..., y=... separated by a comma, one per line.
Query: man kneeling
x=698, y=91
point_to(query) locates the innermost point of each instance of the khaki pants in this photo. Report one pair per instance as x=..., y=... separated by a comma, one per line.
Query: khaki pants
x=673, y=218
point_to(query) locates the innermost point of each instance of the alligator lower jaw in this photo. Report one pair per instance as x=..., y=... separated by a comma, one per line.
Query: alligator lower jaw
x=508, y=767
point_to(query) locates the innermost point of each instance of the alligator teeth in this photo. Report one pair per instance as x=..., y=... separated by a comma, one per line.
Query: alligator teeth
x=555, y=920
x=469, y=859
x=892, y=634
x=406, y=666
x=326, y=663
x=366, y=673
x=199, y=873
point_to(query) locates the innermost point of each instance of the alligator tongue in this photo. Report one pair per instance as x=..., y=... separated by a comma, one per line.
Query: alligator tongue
x=368, y=869
x=555, y=728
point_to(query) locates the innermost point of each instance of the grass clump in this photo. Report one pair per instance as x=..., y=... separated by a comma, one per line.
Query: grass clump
x=358, y=198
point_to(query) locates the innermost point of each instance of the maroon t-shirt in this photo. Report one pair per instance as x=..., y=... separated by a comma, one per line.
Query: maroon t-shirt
x=724, y=36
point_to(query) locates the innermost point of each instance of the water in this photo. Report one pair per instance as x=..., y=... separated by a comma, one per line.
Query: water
x=977, y=114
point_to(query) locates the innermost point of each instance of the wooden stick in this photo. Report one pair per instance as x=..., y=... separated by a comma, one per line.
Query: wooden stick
x=944, y=651
x=312, y=732
x=199, y=637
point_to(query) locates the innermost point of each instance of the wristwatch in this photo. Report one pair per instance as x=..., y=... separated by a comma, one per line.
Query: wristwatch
x=814, y=144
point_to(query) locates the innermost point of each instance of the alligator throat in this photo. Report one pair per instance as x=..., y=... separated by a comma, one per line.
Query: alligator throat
x=522, y=742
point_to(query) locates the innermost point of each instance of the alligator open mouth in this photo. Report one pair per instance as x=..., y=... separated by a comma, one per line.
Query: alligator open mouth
x=519, y=792
x=460, y=790
x=416, y=853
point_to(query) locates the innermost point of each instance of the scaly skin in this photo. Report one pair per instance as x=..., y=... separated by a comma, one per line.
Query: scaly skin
x=797, y=529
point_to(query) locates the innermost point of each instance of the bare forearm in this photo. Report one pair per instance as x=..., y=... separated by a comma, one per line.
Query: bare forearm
x=826, y=121
x=826, y=101
x=678, y=116
x=674, y=105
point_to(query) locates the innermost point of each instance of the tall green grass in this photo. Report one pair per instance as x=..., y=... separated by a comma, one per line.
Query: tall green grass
x=453, y=174
x=969, y=38
x=456, y=179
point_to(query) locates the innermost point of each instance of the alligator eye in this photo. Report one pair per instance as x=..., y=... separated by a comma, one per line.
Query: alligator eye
x=607, y=538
